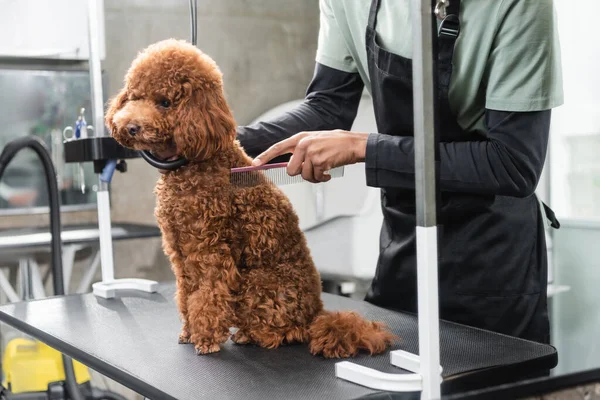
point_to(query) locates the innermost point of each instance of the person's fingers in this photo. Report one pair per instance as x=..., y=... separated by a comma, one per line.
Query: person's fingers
x=278, y=149
x=321, y=173
x=307, y=172
x=295, y=162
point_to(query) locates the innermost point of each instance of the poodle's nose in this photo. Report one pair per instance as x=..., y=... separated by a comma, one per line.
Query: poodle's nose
x=133, y=129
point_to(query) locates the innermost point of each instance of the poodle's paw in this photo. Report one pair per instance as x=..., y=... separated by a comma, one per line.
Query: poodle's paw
x=240, y=337
x=207, y=348
x=185, y=337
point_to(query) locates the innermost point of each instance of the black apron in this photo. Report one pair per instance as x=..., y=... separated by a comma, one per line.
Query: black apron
x=492, y=252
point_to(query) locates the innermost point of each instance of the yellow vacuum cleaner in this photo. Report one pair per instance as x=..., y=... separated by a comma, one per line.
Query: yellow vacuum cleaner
x=29, y=366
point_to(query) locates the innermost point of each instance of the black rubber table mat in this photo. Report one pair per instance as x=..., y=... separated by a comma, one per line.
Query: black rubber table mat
x=133, y=340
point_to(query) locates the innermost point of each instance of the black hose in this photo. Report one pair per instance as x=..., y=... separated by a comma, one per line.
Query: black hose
x=40, y=149
x=99, y=394
x=8, y=153
x=71, y=380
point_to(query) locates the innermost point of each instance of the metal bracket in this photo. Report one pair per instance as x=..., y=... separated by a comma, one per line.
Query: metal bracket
x=440, y=9
x=390, y=382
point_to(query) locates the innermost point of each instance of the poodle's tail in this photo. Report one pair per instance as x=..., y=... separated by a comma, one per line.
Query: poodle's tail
x=344, y=334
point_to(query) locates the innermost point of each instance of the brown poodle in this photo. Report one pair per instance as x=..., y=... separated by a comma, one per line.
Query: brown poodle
x=237, y=252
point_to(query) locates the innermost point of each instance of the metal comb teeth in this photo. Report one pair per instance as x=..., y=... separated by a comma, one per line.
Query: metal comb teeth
x=273, y=173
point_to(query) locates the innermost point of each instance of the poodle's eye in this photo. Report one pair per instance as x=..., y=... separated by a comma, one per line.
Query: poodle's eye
x=165, y=103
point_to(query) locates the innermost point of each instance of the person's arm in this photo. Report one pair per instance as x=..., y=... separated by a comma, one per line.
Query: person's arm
x=523, y=85
x=509, y=162
x=331, y=102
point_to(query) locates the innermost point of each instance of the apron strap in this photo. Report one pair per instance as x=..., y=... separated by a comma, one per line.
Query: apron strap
x=373, y=13
x=448, y=32
x=548, y=215
x=453, y=7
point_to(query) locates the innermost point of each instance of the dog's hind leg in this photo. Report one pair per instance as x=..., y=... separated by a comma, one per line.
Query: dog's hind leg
x=272, y=311
x=241, y=337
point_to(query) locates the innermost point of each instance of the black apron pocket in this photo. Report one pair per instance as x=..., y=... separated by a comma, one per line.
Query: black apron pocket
x=517, y=315
x=492, y=247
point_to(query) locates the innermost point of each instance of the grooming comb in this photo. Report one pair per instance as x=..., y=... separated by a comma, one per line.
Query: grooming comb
x=274, y=173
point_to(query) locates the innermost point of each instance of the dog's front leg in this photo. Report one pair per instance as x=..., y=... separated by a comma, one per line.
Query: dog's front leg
x=182, y=295
x=185, y=286
x=210, y=307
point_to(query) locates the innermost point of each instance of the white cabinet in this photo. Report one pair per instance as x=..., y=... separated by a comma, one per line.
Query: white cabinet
x=54, y=29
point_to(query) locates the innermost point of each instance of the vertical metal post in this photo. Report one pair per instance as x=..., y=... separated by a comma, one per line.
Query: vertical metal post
x=424, y=113
x=95, y=68
x=425, y=93
x=103, y=199
x=25, y=279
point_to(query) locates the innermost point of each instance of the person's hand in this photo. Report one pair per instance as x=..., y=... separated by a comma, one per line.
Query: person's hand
x=315, y=153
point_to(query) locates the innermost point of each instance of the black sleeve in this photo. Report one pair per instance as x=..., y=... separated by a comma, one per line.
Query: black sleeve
x=331, y=102
x=508, y=162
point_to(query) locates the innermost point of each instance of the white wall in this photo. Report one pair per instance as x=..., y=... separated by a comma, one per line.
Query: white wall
x=575, y=136
x=56, y=29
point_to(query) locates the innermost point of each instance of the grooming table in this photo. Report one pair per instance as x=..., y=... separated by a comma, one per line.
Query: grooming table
x=133, y=340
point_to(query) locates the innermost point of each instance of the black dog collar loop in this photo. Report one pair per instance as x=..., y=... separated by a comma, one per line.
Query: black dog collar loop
x=162, y=164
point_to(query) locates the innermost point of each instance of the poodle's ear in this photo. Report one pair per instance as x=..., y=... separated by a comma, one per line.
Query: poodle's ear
x=205, y=125
x=114, y=105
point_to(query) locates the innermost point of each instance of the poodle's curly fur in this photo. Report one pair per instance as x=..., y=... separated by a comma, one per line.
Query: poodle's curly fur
x=238, y=254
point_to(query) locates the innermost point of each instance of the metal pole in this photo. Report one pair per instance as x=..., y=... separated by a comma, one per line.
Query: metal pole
x=95, y=69
x=424, y=113
x=103, y=198
x=424, y=92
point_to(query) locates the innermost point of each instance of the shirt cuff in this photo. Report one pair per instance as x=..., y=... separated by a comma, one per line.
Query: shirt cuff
x=371, y=159
x=389, y=161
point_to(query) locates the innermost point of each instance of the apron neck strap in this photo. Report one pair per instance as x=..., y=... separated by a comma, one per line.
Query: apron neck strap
x=449, y=27
x=453, y=7
x=373, y=13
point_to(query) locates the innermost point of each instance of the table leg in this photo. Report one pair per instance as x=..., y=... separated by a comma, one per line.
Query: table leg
x=25, y=285
x=36, y=278
x=88, y=277
x=7, y=288
x=68, y=261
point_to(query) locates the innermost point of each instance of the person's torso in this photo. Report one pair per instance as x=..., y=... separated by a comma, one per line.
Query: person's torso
x=488, y=244
x=480, y=21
